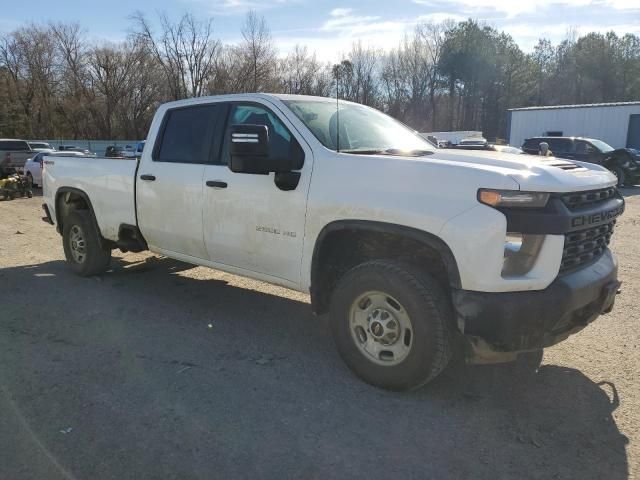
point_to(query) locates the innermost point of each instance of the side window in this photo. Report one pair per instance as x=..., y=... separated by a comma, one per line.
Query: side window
x=14, y=145
x=279, y=137
x=583, y=148
x=187, y=135
x=531, y=144
x=559, y=145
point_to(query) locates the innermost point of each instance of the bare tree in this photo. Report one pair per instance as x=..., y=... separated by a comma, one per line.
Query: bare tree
x=299, y=72
x=186, y=50
x=256, y=54
x=360, y=83
x=433, y=36
x=28, y=54
x=75, y=94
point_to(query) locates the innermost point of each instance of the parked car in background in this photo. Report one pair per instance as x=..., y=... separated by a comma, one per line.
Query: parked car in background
x=506, y=149
x=481, y=142
x=488, y=147
x=33, y=166
x=129, y=151
x=41, y=147
x=73, y=148
x=13, y=155
x=114, y=151
x=624, y=163
x=139, y=148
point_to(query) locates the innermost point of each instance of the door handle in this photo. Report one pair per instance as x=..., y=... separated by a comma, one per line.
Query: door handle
x=216, y=184
x=147, y=177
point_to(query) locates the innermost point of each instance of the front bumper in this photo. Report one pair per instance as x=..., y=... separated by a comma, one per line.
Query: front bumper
x=497, y=326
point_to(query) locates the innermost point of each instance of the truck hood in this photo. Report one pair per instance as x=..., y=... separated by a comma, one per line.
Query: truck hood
x=532, y=173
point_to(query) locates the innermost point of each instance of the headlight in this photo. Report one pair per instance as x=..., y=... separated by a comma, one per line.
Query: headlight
x=520, y=253
x=512, y=198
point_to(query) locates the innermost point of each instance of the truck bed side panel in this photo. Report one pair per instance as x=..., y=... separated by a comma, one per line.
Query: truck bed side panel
x=109, y=184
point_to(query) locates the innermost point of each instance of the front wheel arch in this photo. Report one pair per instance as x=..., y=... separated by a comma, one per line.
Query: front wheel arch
x=365, y=240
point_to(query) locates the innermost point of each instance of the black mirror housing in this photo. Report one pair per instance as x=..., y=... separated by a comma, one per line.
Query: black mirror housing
x=249, y=149
x=249, y=152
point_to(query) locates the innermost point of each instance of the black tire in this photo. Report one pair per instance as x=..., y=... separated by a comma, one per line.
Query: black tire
x=428, y=309
x=528, y=363
x=619, y=173
x=96, y=258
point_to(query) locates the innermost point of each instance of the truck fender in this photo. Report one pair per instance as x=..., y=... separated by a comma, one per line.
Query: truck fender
x=67, y=193
x=361, y=228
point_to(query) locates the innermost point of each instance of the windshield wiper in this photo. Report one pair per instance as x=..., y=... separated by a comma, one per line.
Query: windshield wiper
x=389, y=151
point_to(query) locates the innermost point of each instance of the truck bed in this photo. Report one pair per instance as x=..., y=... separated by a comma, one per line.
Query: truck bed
x=108, y=182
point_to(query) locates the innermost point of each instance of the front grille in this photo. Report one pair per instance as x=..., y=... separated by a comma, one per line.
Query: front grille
x=577, y=200
x=584, y=246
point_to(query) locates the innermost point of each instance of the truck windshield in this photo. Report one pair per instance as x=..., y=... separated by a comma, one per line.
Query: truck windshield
x=362, y=130
x=603, y=147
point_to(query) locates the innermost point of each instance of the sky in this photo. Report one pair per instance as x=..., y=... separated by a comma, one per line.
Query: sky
x=330, y=27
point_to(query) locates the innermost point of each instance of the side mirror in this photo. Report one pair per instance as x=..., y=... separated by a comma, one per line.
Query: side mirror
x=250, y=152
x=249, y=149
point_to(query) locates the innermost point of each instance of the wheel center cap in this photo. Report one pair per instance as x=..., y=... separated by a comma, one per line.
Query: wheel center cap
x=377, y=329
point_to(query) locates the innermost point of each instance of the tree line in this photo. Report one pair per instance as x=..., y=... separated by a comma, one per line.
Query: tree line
x=55, y=83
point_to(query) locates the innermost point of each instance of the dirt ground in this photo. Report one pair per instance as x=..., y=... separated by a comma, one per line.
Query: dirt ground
x=161, y=370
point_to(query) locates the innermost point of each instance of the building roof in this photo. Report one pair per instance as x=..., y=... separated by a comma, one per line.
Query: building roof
x=585, y=105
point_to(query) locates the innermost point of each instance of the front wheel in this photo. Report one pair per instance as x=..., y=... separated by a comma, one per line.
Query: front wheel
x=391, y=325
x=619, y=173
x=83, y=247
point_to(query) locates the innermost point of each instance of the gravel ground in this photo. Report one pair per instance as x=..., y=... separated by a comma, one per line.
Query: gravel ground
x=161, y=370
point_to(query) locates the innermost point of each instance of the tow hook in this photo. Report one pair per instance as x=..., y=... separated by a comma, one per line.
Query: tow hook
x=610, y=292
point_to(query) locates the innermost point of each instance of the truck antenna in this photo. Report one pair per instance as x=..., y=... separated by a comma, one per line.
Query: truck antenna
x=338, y=108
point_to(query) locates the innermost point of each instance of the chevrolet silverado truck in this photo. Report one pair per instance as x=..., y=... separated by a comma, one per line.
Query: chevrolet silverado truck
x=13, y=155
x=411, y=250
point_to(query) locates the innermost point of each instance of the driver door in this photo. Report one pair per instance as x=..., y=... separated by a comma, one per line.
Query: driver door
x=250, y=223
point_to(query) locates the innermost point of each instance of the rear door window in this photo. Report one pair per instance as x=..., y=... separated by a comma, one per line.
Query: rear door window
x=531, y=144
x=583, y=148
x=14, y=145
x=187, y=135
x=560, y=145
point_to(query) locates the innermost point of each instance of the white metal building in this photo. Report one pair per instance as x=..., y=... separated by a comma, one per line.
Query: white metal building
x=617, y=124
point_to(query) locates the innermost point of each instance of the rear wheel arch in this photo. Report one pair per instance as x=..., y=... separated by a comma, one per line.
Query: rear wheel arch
x=343, y=244
x=69, y=199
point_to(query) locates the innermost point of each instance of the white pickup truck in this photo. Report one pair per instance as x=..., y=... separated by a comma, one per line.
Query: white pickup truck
x=412, y=250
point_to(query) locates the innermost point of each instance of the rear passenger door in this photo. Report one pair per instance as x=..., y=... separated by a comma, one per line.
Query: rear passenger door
x=169, y=187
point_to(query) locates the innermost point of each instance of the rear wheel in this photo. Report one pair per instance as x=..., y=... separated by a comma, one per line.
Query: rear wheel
x=391, y=325
x=83, y=248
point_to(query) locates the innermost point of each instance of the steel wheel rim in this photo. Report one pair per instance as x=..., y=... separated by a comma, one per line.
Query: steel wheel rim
x=77, y=244
x=381, y=328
